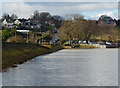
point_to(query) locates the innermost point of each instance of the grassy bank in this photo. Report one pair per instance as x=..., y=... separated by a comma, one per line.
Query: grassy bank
x=87, y=46
x=81, y=46
x=16, y=53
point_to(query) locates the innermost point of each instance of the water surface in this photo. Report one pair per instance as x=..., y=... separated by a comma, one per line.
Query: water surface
x=67, y=67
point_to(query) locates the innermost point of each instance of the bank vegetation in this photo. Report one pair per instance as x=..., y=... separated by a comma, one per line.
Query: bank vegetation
x=18, y=53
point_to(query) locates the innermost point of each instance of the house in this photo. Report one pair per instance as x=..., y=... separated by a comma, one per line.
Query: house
x=17, y=22
x=106, y=20
x=31, y=25
x=4, y=23
x=10, y=23
x=21, y=24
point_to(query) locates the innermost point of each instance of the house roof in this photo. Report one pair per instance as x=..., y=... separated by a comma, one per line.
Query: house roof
x=106, y=19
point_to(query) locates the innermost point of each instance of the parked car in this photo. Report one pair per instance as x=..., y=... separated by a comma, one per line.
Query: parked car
x=108, y=43
x=115, y=45
x=83, y=42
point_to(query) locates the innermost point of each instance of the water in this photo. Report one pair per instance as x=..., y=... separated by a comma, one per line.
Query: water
x=68, y=67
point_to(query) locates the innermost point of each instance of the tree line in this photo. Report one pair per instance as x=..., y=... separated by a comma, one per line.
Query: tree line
x=46, y=17
x=72, y=27
x=78, y=28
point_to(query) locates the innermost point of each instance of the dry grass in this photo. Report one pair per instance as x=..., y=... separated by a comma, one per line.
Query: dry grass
x=87, y=46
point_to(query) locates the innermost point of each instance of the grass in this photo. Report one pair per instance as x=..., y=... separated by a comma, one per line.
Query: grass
x=81, y=46
x=87, y=46
x=16, y=53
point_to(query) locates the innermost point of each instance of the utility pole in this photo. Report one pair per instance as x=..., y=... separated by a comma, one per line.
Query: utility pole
x=15, y=36
x=42, y=40
x=27, y=38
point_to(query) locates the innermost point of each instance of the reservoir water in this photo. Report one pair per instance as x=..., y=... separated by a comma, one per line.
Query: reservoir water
x=67, y=67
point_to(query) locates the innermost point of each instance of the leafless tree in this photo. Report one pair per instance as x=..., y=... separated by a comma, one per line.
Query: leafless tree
x=78, y=29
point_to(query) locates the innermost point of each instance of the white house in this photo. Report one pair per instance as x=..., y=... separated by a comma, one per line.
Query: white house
x=7, y=23
x=4, y=23
x=17, y=22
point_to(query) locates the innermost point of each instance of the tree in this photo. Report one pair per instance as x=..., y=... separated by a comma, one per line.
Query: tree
x=57, y=20
x=36, y=15
x=7, y=33
x=90, y=29
x=6, y=16
x=73, y=16
x=71, y=28
x=108, y=33
x=118, y=23
x=66, y=31
x=14, y=16
x=44, y=16
x=41, y=17
x=78, y=29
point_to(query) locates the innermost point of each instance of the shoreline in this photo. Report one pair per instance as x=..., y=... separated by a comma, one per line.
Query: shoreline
x=18, y=53
x=14, y=54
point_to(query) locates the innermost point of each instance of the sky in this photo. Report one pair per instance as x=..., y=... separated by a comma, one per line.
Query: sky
x=90, y=9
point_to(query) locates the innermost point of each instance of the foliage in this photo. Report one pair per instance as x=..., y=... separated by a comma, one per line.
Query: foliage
x=45, y=18
x=50, y=27
x=7, y=33
x=7, y=16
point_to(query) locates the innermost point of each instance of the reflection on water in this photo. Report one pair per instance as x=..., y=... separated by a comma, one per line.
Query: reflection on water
x=85, y=67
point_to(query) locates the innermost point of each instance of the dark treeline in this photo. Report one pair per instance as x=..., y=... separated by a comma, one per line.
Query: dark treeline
x=7, y=16
x=46, y=17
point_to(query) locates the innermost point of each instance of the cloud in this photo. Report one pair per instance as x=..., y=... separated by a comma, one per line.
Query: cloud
x=114, y=15
x=98, y=6
x=105, y=13
x=23, y=9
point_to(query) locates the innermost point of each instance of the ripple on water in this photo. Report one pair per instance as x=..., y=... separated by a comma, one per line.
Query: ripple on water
x=84, y=67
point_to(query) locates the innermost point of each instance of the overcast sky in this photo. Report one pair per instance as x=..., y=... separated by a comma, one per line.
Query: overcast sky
x=90, y=9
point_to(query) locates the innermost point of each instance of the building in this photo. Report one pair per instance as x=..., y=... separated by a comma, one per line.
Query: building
x=21, y=24
x=17, y=22
x=4, y=23
x=10, y=23
x=106, y=20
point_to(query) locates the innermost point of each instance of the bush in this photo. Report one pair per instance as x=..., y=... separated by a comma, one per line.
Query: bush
x=7, y=33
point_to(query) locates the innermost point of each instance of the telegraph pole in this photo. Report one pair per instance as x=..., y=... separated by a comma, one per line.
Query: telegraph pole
x=27, y=38
x=15, y=36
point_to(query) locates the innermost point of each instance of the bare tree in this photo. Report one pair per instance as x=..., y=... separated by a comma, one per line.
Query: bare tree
x=78, y=29
x=6, y=16
x=73, y=16
x=14, y=16
x=90, y=29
